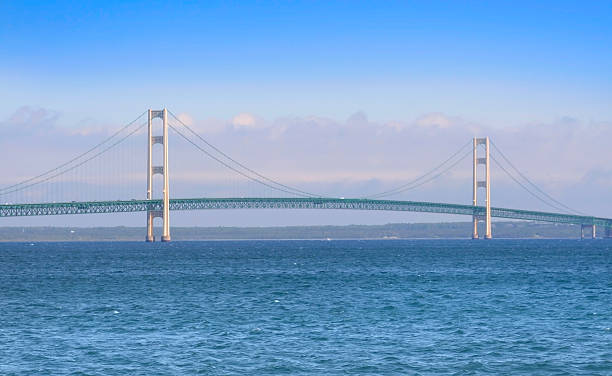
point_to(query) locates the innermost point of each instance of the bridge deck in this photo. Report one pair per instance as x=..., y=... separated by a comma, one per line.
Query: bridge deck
x=95, y=207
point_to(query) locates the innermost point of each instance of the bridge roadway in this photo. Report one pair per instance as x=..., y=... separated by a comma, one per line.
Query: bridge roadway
x=96, y=207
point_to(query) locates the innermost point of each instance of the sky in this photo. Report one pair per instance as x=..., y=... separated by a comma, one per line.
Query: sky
x=344, y=97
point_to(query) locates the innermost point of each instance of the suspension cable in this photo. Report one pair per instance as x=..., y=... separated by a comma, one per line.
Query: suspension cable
x=527, y=189
x=11, y=187
x=567, y=208
x=409, y=185
x=233, y=168
x=77, y=165
x=269, y=180
x=433, y=177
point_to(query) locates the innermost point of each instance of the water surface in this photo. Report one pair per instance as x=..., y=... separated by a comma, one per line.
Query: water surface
x=307, y=307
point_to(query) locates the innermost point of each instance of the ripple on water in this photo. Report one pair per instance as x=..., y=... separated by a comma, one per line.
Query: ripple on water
x=302, y=307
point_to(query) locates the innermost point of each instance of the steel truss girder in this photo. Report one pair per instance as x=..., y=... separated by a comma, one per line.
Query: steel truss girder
x=100, y=207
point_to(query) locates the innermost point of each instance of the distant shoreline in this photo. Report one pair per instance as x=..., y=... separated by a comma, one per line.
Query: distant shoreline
x=392, y=231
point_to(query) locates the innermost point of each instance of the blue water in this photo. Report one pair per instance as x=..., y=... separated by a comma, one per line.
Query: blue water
x=307, y=307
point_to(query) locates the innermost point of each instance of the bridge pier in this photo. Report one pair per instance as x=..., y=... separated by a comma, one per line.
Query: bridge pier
x=152, y=213
x=486, y=184
x=150, y=236
x=592, y=231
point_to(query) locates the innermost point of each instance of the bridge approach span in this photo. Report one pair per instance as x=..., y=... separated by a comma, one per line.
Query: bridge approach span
x=98, y=207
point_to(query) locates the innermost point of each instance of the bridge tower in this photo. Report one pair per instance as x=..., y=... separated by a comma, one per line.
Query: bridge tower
x=163, y=170
x=486, y=184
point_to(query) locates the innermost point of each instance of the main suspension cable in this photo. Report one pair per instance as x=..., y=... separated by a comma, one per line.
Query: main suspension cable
x=410, y=185
x=435, y=176
x=527, y=189
x=77, y=165
x=232, y=167
x=567, y=208
x=269, y=180
x=11, y=187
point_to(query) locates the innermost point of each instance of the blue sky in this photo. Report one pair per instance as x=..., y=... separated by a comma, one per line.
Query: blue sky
x=401, y=78
x=498, y=62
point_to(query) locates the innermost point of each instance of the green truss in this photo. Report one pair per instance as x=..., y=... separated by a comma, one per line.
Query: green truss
x=96, y=207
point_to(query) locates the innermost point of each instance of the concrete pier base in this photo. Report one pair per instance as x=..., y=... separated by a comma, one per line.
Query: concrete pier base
x=592, y=229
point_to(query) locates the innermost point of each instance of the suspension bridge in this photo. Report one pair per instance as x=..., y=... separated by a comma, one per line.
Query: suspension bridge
x=45, y=194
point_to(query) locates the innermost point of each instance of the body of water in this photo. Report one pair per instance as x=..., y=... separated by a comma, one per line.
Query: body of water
x=307, y=307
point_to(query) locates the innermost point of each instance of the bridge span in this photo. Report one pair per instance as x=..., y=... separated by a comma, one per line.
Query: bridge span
x=70, y=174
x=98, y=207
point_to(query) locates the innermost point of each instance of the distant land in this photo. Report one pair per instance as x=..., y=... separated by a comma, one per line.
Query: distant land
x=388, y=231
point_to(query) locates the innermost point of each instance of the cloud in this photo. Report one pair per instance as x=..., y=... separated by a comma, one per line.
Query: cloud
x=29, y=120
x=358, y=119
x=185, y=118
x=244, y=120
x=435, y=120
x=31, y=116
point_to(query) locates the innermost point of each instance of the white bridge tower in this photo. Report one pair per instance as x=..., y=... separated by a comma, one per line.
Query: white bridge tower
x=163, y=170
x=486, y=184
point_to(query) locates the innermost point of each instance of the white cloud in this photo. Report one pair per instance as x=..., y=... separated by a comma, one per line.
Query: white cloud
x=244, y=120
x=29, y=120
x=185, y=118
x=32, y=116
x=436, y=119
